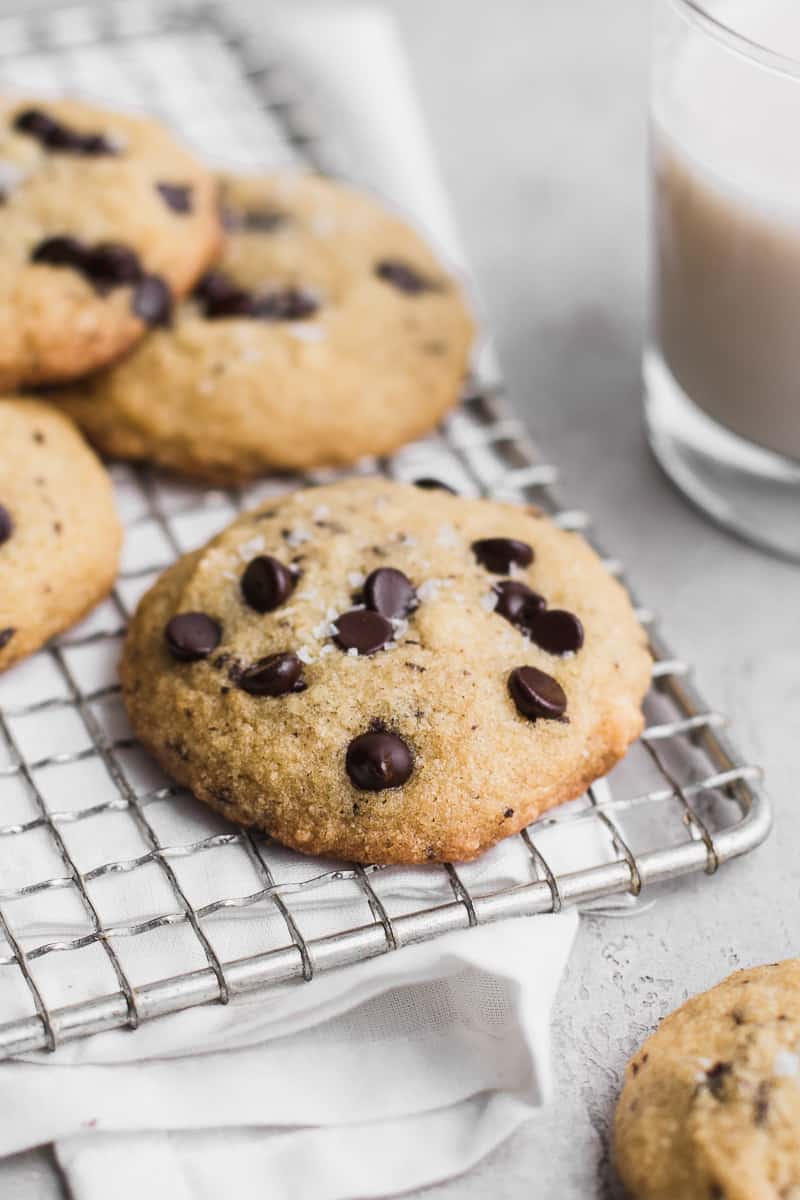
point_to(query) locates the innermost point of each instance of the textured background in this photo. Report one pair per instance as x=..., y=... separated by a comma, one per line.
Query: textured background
x=538, y=115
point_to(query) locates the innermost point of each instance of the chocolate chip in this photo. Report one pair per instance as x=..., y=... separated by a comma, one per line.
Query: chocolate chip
x=376, y=761
x=430, y=484
x=509, y=812
x=389, y=592
x=6, y=524
x=557, y=631
x=60, y=251
x=518, y=603
x=93, y=144
x=211, y=285
x=288, y=304
x=761, y=1104
x=111, y=264
x=403, y=276
x=152, y=301
x=536, y=694
x=274, y=675
x=498, y=554
x=177, y=196
x=362, y=630
x=226, y=300
x=55, y=135
x=36, y=123
x=261, y=220
x=192, y=635
x=6, y=636
x=221, y=297
x=715, y=1077
x=266, y=583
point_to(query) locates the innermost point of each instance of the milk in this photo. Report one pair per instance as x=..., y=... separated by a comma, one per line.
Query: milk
x=726, y=169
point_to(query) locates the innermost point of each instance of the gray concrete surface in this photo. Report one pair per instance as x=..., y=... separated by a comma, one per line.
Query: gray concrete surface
x=537, y=110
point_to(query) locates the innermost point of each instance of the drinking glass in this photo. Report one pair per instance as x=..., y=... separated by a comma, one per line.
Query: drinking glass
x=722, y=362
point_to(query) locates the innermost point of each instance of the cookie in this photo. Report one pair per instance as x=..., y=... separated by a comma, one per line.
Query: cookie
x=104, y=219
x=710, y=1109
x=59, y=532
x=327, y=332
x=385, y=673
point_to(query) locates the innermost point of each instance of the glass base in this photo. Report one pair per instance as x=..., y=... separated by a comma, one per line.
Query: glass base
x=750, y=491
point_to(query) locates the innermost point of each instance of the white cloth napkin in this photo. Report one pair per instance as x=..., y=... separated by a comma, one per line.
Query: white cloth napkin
x=371, y=1080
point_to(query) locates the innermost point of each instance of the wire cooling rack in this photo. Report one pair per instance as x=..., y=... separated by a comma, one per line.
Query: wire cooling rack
x=107, y=870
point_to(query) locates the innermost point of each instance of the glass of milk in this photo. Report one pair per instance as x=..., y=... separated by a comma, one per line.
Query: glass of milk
x=722, y=366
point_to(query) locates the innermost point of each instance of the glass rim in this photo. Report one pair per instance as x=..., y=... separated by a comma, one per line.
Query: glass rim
x=696, y=12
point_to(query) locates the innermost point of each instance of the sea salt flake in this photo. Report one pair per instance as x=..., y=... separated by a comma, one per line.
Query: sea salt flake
x=488, y=602
x=447, y=535
x=429, y=590
x=296, y=537
x=786, y=1063
x=352, y=652
x=321, y=512
x=355, y=579
x=11, y=176
x=329, y=649
x=252, y=546
x=305, y=331
x=305, y=655
x=324, y=630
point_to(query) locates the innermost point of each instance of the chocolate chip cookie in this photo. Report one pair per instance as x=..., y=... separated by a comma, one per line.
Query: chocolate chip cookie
x=104, y=221
x=387, y=673
x=327, y=331
x=59, y=532
x=710, y=1109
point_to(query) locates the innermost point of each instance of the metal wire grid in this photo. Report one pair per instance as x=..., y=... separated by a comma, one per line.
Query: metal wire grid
x=684, y=801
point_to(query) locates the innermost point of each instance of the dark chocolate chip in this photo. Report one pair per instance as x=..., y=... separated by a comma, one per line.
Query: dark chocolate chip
x=389, y=592
x=716, y=1076
x=6, y=524
x=177, y=196
x=6, y=636
x=536, y=694
x=36, y=123
x=518, y=603
x=430, y=485
x=261, y=220
x=111, y=264
x=376, y=761
x=152, y=301
x=266, y=583
x=222, y=298
x=274, y=675
x=362, y=630
x=192, y=635
x=498, y=554
x=54, y=135
x=403, y=276
x=288, y=304
x=61, y=251
x=557, y=631
x=94, y=144
x=213, y=284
